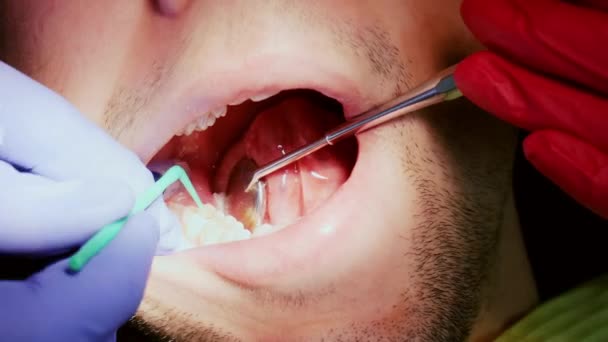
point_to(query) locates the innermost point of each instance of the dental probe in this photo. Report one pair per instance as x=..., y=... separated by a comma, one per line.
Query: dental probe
x=438, y=89
x=248, y=207
x=104, y=236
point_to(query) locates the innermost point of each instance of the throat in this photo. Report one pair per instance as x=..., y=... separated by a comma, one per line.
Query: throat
x=298, y=188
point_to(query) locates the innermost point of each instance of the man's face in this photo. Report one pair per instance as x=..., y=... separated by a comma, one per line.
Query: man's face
x=386, y=238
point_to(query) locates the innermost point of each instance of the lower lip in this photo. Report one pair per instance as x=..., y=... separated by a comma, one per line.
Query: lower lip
x=263, y=261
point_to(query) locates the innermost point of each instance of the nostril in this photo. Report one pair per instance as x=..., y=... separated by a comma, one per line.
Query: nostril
x=172, y=7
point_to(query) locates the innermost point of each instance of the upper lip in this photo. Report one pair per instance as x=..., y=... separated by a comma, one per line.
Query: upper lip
x=222, y=86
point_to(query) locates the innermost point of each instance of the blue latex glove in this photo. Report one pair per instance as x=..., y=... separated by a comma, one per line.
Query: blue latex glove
x=62, y=179
x=53, y=305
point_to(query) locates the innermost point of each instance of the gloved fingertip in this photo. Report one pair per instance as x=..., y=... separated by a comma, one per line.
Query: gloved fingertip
x=575, y=166
x=171, y=235
x=469, y=74
x=167, y=221
x=479, y=78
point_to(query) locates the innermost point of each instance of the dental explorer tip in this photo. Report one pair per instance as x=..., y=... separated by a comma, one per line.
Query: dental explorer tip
x=251, y=184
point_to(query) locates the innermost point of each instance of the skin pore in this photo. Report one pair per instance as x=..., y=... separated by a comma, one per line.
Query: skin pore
x=429, y=251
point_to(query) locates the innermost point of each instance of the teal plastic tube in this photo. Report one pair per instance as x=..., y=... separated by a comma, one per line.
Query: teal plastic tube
x=104, y=236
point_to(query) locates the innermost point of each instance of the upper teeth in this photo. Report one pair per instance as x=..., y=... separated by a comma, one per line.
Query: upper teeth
x=208, y=119
x=205, y=121
x=262, y=96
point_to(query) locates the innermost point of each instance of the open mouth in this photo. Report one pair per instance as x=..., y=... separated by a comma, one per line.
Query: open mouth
x=261, y=128
x=313, y=207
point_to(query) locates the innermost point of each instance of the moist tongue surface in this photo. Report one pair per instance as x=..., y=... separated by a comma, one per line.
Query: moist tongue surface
x=295, y=190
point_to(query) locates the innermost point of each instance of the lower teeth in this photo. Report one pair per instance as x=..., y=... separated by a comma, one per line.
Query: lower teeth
x=209, y=225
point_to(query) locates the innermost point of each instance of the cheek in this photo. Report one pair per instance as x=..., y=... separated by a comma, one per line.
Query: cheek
x=370, y=268
x=75, y=48
x=431, y=159
x=381, y=286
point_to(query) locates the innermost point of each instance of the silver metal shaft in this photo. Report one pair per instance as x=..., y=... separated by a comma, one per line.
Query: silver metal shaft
x=439, y=89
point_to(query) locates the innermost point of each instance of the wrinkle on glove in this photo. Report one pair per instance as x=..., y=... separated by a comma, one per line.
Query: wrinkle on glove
x=546, y=71
x=579, y=167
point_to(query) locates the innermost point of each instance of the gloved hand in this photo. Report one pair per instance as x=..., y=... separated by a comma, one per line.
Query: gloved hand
x=53, y=305
x=62, y=179
x=547, y=71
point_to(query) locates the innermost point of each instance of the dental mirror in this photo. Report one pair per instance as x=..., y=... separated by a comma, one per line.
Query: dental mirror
x=246, y=205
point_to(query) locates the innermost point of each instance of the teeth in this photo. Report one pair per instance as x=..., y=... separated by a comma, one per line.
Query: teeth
x=265, y=229
x=190, y=128
x=208, y=119
x=205, y=122
x=242, y=234
x=237, y=102
x=211, y=121
x=263, y=96
x=226, y=235
x=209, y=212
x=208, y=225
x=201, y=123
x=211, y=235
x=219, y=112
x=195, y=224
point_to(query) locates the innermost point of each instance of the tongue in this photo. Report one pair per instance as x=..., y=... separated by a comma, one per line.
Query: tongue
x=299, y=188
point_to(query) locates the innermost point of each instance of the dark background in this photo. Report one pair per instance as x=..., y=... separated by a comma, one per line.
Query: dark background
x=566, y=243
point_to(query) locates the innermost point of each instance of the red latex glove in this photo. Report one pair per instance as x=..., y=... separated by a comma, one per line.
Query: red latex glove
x=547, y=71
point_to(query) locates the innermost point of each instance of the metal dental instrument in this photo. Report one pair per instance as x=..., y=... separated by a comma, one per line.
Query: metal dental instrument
x=248, y=207
x=438, y=89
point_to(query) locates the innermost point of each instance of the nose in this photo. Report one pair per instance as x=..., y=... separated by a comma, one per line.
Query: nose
x=172, y=7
